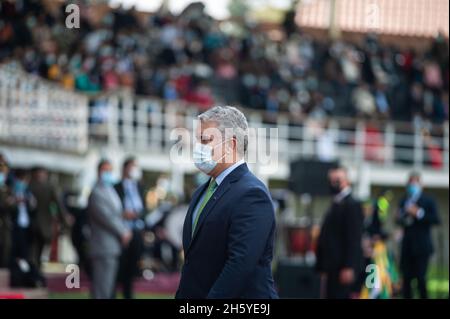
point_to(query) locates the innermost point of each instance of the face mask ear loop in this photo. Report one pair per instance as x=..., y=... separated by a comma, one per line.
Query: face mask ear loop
x=226, y=152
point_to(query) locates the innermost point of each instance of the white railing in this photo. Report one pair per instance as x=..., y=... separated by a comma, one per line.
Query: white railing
x=39, y=114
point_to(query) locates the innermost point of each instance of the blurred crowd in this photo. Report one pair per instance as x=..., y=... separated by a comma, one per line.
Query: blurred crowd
x=194, y=58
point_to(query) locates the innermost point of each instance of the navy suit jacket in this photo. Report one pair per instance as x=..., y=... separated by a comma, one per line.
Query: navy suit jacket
x=417, y=239
x=231, y=250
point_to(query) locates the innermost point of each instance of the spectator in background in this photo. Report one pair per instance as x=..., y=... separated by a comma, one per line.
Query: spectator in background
x=108, y=233
x=416, y=215
x=327, y=144
x=416, y=99
x=364, y=101
x=339, y=252
x=48, y=206
x=382, y=101
x=432, y=75
x=374, y=148
x=433, y=151
x=445, y=104
x=131, y=194
x=7, y=207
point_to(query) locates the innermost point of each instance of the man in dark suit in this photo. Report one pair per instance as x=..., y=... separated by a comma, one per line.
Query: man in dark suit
x=229, y=229
x=339, y=252
x=417, y=213
x=7, y=208
x=131, y=194
x=22, y=215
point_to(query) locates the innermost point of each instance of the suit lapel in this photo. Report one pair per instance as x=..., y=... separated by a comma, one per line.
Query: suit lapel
x=187, y=228
x=220, y=191
x=120, y=190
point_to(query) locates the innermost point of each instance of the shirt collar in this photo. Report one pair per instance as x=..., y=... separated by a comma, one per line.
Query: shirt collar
x=226, y=172
x=128, y=182
x=103, y=185
x=344, y=193
x=415, y=197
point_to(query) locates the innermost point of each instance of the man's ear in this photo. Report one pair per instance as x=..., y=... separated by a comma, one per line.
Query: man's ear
x=235, y=148
x=234, y=143
x=229, y=154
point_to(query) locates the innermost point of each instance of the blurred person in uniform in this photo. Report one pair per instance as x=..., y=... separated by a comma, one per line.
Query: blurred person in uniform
x=131, y=194
x=376, y=251
x=417, y=214
x=376, y=213
x=108, y=233
x=7, y=206
x=48, y=204
x=339, y=251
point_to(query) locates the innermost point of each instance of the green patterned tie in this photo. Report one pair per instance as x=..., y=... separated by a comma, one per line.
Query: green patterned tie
x=211, y=188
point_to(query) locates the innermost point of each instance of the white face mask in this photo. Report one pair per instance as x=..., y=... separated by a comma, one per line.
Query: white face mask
x=202, y=156
x=136, y=173
x=164, y=184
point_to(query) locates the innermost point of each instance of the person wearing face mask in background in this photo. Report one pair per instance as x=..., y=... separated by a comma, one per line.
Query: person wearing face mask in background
x=25, y=205
x=416, y=215
x=49, y=208
x=23, y=272
x=131, y=194
x=229, y=228
x=109, y=233
x=339, y=252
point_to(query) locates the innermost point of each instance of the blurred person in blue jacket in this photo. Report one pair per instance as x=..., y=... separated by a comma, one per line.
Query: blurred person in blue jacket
x=417, y=214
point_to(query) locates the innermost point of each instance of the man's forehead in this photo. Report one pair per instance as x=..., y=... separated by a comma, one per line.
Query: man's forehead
x=337, y=173
x=415, y=179
x=207, y=129
x=107, y=166
x=203, y=125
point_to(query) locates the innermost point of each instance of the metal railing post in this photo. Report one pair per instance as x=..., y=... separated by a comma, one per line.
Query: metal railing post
x=418, y=148
x=389, y=140
x=142, y=124
x=127, y=117
x=360, y=142
x=156, y=129
x=113, y=128
x=283, y=138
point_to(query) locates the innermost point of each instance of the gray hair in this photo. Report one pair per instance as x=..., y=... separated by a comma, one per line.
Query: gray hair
x=229, y=118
